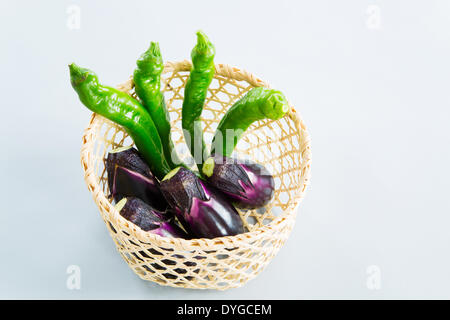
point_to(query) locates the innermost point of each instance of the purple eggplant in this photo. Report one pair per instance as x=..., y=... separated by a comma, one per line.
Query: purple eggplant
x=130, y=176
x=148, y=219
x=200, y=208
x=248, y=184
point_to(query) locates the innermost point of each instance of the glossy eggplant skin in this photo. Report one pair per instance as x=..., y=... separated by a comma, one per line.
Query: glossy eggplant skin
x=202, y=209
x=149, y=219
x=130, y=176
x=247, y=184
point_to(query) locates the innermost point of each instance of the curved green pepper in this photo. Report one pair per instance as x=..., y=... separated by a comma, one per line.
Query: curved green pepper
x=147, y=84
x=258, y=104
x=124, y=110
x=195, y=91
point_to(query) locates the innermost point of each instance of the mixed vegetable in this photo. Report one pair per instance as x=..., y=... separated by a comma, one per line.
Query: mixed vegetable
x=150, y=185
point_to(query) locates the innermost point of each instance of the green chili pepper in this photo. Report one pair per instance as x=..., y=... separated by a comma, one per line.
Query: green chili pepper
x=259, y=103
x=147, y=84
x=124, y=110
x=195, y=91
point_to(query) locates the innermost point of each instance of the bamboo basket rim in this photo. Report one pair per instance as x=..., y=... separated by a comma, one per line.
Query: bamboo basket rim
x=91, y=179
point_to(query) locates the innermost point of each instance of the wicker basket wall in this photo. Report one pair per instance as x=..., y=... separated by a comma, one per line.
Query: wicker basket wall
x=283, y=146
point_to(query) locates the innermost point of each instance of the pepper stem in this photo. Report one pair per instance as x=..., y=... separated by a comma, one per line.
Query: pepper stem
x=202, y=41
x=77, y=74
x=154, y=49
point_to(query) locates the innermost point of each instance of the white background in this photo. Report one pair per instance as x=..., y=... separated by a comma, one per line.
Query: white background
x=373, y=91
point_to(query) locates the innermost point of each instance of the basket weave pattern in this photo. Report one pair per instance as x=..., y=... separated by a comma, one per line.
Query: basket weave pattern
x=283, y=146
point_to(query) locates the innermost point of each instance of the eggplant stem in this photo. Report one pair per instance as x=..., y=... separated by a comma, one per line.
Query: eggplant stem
x=171, y=174
x=119, y=206
x=120, y=149
x=208, y=167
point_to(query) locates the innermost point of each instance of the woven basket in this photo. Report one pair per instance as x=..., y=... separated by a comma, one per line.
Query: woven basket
x=283, y=146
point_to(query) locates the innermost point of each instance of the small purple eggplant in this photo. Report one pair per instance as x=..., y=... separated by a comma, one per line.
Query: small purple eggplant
x=248, y=184
x=202, y=209
x=130, y=176
x=148, y=219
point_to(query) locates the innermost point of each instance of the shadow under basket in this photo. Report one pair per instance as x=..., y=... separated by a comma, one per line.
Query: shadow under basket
x=283, y=146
